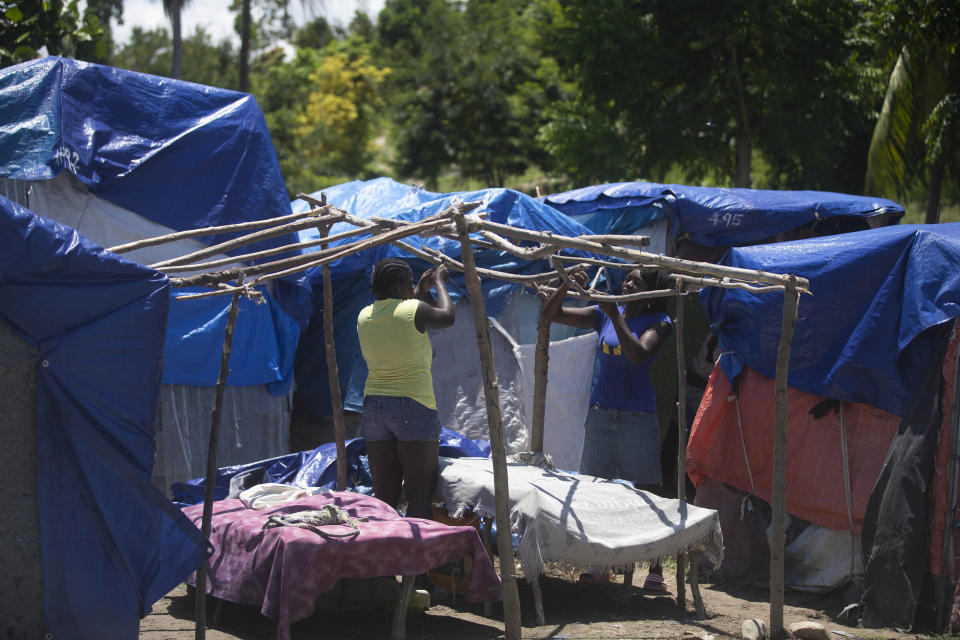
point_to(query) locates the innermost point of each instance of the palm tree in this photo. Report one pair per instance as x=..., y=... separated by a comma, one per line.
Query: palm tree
x=917, y=135
x=172, y=8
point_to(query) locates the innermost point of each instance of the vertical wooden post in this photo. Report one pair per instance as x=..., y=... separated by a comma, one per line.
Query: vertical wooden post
x=200, y=630
x=681, y=441
x=511, y=599
x=333, y=374
x=779, y=458
x=541, y=364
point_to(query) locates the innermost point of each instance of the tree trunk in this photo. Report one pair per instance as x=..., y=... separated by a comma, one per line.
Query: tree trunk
x=744, y=150
x=933, y=192
x=177, y=42
x=245, y=47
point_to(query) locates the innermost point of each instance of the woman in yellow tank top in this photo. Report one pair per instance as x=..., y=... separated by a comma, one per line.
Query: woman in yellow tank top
x=400, y=422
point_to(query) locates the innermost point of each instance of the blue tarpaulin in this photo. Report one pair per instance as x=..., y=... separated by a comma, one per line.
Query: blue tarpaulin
x=315, y=468
x=112, y=544
x=386, y=198
x=183, y=155
x=863, y=334
x=712, y=216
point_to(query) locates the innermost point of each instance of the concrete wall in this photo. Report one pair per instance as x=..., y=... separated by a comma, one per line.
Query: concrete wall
x=21, y=593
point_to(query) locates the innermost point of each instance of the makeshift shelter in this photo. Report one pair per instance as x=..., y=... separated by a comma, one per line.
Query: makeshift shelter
x=719, y=217
x=121, y=156
x=82, y=334
x=456, y=370
x=701, y=223
x=870, y=362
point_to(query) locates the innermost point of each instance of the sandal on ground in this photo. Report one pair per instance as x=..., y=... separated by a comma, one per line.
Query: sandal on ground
x=655, y=582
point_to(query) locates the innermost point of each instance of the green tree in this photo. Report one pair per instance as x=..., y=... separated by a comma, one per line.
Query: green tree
x=29, y=26
x=469, y=90
x=916, y=141
x=705, y=86
x=210, y=63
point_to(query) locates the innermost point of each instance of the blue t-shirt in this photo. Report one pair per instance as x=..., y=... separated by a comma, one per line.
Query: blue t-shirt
x=617, y=382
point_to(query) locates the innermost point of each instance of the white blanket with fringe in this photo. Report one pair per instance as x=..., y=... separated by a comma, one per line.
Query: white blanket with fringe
x=581, y=520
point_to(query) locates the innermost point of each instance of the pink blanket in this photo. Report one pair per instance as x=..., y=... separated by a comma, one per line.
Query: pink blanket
x=283, y=570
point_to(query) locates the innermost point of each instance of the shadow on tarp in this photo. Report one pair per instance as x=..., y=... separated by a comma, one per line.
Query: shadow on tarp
x=314, y=468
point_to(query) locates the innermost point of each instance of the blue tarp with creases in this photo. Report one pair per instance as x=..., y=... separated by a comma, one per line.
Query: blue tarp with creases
x=711, y=216
x=111, y=543
x=314, y=468
x=863, y=336
x=386, y=198
x=183, y=155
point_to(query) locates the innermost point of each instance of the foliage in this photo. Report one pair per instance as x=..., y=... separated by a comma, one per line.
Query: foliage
x=469, y=89
x=917, y=136
x=700, y=84
x=323, y=110
x=29, y=26
x=151, y=51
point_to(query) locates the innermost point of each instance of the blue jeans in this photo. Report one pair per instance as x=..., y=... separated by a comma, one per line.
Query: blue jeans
x=398, y=419
x=621, y=444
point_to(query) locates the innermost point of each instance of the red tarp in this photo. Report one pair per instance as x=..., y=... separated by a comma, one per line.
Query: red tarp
x=814, y=464
x=282, y=570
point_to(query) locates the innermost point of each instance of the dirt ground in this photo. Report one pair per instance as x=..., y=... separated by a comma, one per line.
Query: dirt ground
x=572, y=610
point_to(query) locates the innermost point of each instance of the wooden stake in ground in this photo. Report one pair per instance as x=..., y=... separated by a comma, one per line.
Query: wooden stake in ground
x=333, y=374
x=681, y=442
x=540, y=366
x=211, y=477
x=778, y=506
x=511, y=599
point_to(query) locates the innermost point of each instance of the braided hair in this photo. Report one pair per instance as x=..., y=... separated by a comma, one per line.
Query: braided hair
x=656, y=280
x=387, y=273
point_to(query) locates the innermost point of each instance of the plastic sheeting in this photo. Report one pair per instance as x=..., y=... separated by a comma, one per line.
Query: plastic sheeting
x=568, y=395
x=861, y=336
x=111, y=543
x=721, y=449
x=580, y=520
x=314, y=468
x=254, y=425
x=712, y=216
x=179, y=154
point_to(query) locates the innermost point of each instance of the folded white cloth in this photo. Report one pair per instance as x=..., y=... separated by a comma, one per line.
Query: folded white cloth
x=270, y=494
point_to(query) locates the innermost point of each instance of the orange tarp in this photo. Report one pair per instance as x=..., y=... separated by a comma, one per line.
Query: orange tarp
x=814, y=463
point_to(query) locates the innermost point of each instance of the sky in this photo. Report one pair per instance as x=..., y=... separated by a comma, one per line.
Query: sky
x=215, y=15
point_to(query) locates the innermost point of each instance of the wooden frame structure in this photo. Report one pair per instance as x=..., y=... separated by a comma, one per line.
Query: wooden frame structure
x=457, y=223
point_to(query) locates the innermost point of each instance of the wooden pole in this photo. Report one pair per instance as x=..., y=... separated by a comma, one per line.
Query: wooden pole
x=540, y=366
x=211, y=477
x=511, y=599
x=681, y=442
x=655, y=259
x=779, y=458
x=333, y=373
x=208, y=231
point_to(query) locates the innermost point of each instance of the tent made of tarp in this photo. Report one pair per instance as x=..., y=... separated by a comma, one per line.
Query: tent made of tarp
x=456, y=370
x=91, y=325
x=714, y=216
x=122, y=156
x=868, y=362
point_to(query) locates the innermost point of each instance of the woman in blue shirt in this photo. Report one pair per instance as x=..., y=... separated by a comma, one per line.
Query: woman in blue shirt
x=621, y=432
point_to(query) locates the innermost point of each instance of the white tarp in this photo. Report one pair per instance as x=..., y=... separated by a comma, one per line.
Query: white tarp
x=569, y=375
x=581, y=520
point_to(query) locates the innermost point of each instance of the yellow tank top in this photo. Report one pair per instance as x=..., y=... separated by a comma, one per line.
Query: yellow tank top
x=398, y=356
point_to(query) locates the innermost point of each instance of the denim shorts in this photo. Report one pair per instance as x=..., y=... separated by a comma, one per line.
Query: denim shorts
x=621, y=444
x=398, y=418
